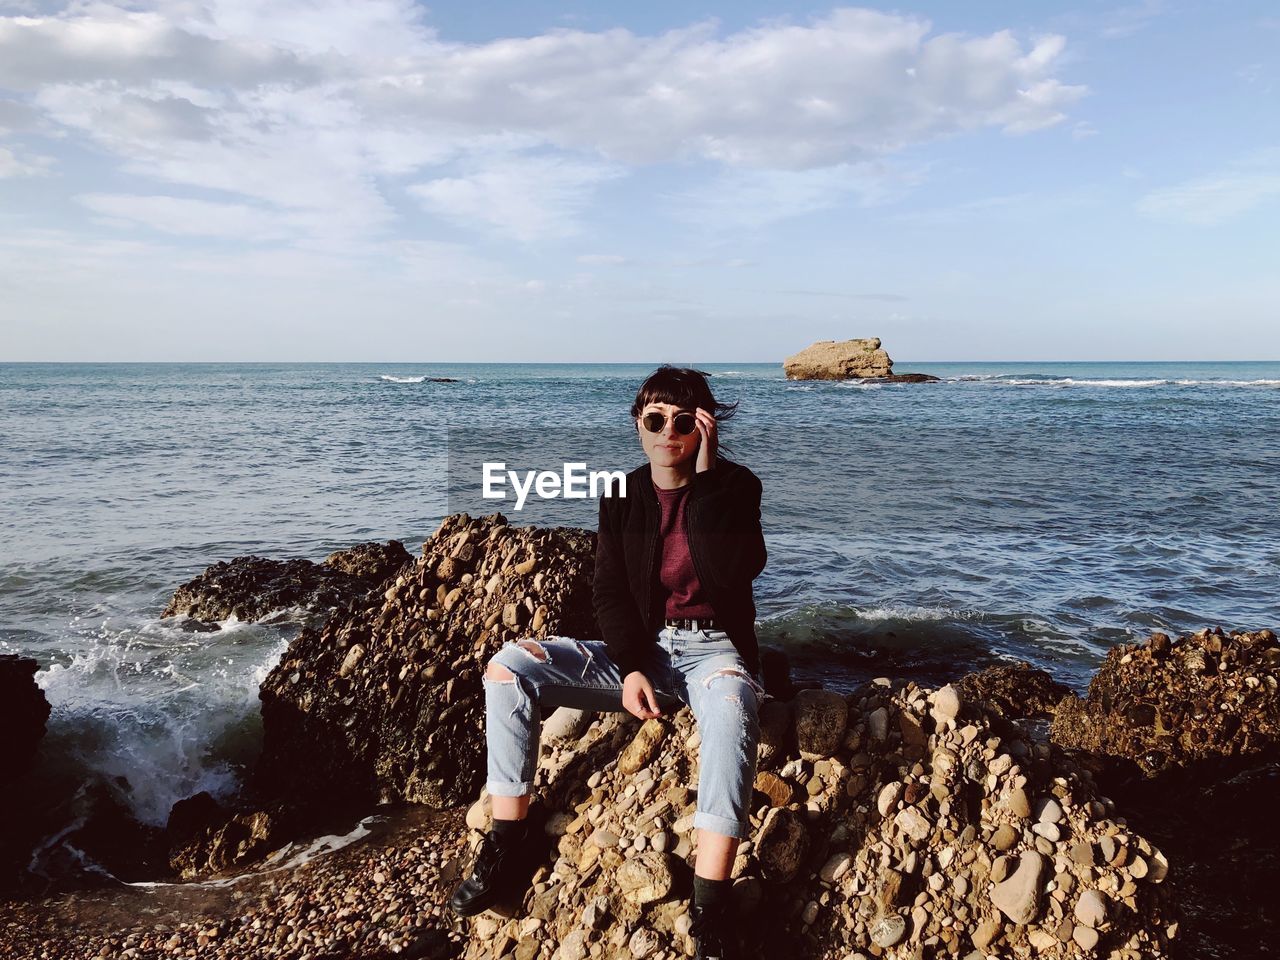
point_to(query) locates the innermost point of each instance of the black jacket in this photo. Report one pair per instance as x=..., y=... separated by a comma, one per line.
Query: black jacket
x=726, y=543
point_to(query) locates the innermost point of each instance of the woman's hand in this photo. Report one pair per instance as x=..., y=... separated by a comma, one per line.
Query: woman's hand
x=707, y=449
x=638, y=697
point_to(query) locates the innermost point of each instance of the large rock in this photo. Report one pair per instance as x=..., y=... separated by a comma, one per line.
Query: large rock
x=1208, y=696
x=839, y=360
x=24, y=712
x=861, y=360
x=250, y=588
x=386, y=702
x=1183, y=734
x=826, y=874
x=204, y=838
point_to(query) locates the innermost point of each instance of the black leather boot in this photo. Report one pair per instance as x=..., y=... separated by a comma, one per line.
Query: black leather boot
x=711, y=932
x=493, y=874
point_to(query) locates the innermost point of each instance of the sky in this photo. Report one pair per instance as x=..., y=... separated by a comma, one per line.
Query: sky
x=381, y=180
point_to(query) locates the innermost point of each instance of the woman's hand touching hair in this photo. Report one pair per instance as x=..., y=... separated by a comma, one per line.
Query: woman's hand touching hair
x=638, y=696
x=706, y=424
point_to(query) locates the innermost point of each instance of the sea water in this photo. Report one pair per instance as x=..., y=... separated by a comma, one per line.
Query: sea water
x=1012, y=511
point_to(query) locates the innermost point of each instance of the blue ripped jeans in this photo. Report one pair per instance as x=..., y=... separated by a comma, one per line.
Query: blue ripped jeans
x=701, y=668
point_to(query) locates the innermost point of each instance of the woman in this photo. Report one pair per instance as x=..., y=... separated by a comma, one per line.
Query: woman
x=675, y=560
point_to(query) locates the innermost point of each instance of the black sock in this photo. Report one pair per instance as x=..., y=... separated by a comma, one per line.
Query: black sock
x=510, y=831
x=710, y=894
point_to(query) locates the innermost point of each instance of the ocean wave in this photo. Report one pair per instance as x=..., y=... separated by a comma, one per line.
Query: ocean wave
x=159, y=722
x=1002, y=379
x=1229, y=383
x=394, y=379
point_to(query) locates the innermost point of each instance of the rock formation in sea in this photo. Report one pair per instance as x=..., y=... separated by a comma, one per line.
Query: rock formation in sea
x=24, y=712
x=847, y=360
x=1184, y=734
x=249, y=588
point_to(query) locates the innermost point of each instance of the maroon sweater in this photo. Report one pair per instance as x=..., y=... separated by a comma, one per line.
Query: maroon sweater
x=685, y=596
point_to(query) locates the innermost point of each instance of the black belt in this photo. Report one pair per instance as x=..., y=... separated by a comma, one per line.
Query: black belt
x=695, y=624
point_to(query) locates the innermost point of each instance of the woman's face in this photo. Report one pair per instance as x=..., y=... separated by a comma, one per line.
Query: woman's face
x=667, y=447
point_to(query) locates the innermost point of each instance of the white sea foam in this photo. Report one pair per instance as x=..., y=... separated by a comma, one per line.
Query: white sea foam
x=1000, y=379
x=152, y=711
x=288, y=857
x=394, y=379
x=914, y=613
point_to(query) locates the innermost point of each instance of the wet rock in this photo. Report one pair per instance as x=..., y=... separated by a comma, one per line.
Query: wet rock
x=204, y=838
x=820, y=718
x=1183, y=734
x=1160, y=705
x=24, y=712
x=1013, y=690
x=250, y=588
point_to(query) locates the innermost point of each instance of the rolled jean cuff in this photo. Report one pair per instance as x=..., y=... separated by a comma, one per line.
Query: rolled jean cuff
x=508, y=789
x=722, y=825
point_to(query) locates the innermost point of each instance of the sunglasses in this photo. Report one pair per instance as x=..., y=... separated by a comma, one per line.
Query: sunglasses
x=685, y=423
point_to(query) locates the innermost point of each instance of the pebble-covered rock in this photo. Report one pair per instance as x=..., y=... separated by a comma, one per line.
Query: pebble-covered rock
x=1171, y=702
x=914, y=837
x=249, y=588
x=405, y=720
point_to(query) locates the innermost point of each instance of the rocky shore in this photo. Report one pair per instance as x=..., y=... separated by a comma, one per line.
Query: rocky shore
x=999, y=815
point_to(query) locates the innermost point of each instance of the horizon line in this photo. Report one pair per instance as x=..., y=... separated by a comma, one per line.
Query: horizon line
x=536, y=363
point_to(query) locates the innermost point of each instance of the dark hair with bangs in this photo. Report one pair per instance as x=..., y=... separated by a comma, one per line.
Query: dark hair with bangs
x=683, y=387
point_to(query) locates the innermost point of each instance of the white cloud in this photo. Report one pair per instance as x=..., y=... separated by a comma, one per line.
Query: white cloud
x=524, y=197
x=1214, y=199
x=16, y=116
x=603, y=259
x=12, y=165
x=741, y=199
x=1127, y=20
x=854, y=84
x=187, y=217
x=308, y=107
